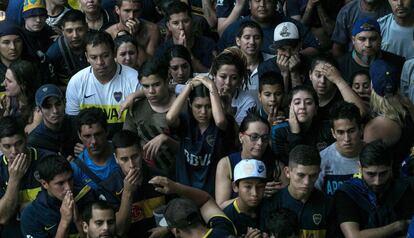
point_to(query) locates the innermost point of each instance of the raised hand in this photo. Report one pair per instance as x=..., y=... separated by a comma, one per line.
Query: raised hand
x=293, y=121
x=283, y=63
x=331, y=73
x=163, y=184
x=131, y=180
x=152, y=147
x=67, y=207
x=294, y=62
x=18, y=167
x=133, y=26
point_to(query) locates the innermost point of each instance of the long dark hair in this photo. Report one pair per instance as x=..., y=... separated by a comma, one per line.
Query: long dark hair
x=179, y=51
x=27, y=77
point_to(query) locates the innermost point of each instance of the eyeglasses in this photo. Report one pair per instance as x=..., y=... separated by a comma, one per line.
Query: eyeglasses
x=255, y=137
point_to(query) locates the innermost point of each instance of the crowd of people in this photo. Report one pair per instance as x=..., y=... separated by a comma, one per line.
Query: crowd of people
x=226, y=118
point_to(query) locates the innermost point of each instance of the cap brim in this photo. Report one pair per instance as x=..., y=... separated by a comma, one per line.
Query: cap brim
x=280, y=43
x=40, y=103
x=163, y=222
x=252, y=177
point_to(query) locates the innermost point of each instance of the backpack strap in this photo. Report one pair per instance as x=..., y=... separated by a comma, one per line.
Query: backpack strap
x=67, y=55
x=99, y=182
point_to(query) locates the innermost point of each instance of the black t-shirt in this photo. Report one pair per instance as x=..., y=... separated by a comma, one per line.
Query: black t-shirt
x=400, y=194
x=348, y=66
x=323, y=112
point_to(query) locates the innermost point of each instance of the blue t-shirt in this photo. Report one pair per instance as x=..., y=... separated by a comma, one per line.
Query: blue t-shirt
x=80, y=179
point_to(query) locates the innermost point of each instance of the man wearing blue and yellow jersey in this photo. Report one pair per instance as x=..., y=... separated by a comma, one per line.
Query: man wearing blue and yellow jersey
x=136, y=198
x=249, y=183
x=54, y=212
x=18, y=185
x=104, y=84
x=96, y=162
x=309, y=204
x=377, y=204
x=186, y=217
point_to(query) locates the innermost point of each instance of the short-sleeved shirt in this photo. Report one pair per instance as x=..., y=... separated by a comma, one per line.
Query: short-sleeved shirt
x=241, y=103
x=396, y=39
x=61, y=141
x=81, y=179
x=29, y=188
x=313, y=215
x=219, y=227
x=199, y=153
x=147, y=124
x=335, y=170
x=351, y=13
x=202, y=49
x=348, y=66
x=241, y=220
x=144, y=201
x=85, y=91
x=228, y=38
x=407, y=80
x=324, y=111
x=399, y=193
x=283, y=140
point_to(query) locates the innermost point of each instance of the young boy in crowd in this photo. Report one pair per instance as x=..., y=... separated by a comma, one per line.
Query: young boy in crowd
x=249, y=183
x=271, y=94
x=309, y=204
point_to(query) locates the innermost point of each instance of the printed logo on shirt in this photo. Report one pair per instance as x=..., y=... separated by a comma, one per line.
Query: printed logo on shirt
x=197, y=160
x=260, y=169
x=312, y=233
x=118, y=96
x=220, y=3
x=210, y=140
x=111, y=112
x=317, y=218
x=88, y=96
x=333, y=181
x=47, y=228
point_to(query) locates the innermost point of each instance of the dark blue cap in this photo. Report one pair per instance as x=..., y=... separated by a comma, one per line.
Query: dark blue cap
x=45, y=91
x=9, y=28
x=365, y=24
x=383, y=77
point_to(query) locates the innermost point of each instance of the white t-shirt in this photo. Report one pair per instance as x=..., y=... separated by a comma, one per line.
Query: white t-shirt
x=85, y=91
x=335, y=169
x=396, y=39
x=242, y=101
x=407, y=80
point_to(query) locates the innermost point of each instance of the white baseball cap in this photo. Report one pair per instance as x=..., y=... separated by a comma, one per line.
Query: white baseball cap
x=286, y=33
x=249, y=168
